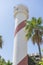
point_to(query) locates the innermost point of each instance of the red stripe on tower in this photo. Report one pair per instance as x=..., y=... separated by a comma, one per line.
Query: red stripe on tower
x=20, y=26
x=24, y=61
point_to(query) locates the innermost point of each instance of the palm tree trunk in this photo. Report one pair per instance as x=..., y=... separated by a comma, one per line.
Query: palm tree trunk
x=39, y=50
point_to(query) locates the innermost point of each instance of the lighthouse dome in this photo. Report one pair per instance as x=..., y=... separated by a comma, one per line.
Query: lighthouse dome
x=21, y=9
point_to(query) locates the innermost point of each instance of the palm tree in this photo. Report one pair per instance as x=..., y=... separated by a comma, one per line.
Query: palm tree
x=34, y=30
x=1, y=41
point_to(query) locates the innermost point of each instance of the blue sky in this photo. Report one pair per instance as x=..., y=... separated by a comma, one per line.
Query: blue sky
x=7, y=24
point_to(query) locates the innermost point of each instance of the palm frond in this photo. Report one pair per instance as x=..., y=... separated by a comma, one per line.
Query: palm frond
x=40, y=27
x=39, y=21
x=33, y=39
x=34, y=28
x=28, y=35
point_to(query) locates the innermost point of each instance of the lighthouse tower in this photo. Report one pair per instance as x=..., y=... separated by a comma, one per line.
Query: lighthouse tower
x=20, y=56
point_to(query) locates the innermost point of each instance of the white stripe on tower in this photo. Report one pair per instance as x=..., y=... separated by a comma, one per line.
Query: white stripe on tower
x=20, y=44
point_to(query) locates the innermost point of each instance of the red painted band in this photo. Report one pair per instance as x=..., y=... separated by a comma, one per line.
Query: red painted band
x=20, y=26
x=24, y=61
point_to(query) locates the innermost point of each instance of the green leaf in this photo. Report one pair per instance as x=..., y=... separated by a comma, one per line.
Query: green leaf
x=39, y=20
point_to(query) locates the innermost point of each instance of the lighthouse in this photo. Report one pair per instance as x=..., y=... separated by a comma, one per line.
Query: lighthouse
x=20, y=56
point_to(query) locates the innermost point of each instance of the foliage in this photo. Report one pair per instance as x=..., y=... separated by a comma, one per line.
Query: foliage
x=32, y=26
x=34, y=30
x=3, y=62
x=41, y=62
x=31, y=61
x=8, y=63
x=1, y=41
